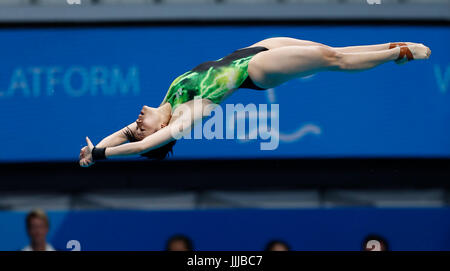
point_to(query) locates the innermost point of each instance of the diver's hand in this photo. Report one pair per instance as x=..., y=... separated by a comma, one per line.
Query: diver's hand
x=83, y=155
x=82, y=152
x=86, y=154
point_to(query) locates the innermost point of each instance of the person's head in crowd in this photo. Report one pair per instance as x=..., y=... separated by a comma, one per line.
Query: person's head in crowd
x=374, y=242
x=277, y=245
x=38, y=225
x=179, y=242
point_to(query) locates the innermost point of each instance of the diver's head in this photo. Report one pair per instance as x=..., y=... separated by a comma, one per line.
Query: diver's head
x=149, y=121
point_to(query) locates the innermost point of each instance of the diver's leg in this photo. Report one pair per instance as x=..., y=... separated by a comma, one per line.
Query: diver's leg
x=272, y=43
x=274, y=67
x=277, y=42
x=367, y=48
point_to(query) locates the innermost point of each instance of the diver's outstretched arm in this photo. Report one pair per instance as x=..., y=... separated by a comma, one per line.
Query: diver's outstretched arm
x=153, y=141
x=183, y=124
x=114, y=139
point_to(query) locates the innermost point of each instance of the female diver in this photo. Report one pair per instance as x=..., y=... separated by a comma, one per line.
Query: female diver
x=263, y=65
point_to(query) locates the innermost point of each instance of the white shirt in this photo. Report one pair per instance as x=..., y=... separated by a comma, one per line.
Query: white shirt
x=48, y=247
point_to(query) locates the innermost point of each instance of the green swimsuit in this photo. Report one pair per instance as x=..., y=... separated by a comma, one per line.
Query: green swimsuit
x=214, y=79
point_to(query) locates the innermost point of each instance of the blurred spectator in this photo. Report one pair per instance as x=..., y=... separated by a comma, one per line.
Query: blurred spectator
x=37, y=228
x=277, y=245
x=374, y=242
x=179, y=243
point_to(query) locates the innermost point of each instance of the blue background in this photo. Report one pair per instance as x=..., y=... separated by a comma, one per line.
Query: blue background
x=390, y=111
x=243, y=229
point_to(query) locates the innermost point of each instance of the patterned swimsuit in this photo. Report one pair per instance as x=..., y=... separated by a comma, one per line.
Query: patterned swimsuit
x=213, y=80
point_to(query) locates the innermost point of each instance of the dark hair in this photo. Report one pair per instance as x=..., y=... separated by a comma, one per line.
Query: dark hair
x=377, y=238
x=272, y=243
x=159, y=153
x=180, y=238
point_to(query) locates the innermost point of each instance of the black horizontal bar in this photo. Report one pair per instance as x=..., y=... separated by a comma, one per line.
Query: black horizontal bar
x=228, y=174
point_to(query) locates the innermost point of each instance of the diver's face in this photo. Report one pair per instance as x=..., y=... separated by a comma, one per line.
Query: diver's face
x=148, y=122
